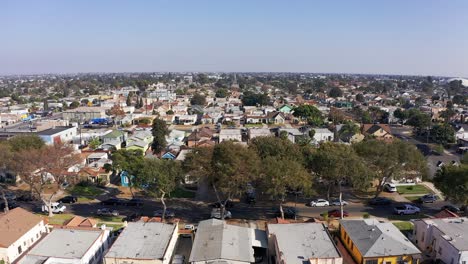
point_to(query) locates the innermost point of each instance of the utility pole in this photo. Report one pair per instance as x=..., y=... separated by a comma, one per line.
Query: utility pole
x=341, y=204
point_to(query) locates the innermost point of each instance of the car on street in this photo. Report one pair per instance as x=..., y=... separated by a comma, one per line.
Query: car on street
x=9, y=196
x=11, y=205
x=451, y=208
x=135, y=202
x=380, y=201
x=69, y=199
x=428, y=198
x=390, y=187
x=159, y=213
x=337, y=213
x=114, y=201
x=406, y=209
x=319, y=202
x=107, y=212
x=132, y=217
x=26, y=197
x=216, y=213
x=289, y=212
x=336, y=202
x=57, y=208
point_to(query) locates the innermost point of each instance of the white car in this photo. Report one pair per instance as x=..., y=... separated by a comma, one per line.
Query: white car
x=390, y=187
x=57, y=208
x=216, y=213
x=319, y=202
x=337, y=202
x=406, y=209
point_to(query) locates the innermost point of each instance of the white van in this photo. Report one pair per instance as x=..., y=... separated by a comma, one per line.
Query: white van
x=57, y=208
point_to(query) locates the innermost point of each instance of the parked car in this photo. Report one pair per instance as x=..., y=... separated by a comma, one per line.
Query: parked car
x=26, y=197
x=10, y=196
x=132, y=217
x=250, y=199
x=451, y=208
x=159, y=213
x=380, y=201
x=189, y=228
x=114, y=201
x=289, y=212
x=57, y=208
x=135, y=202
x=319, y=202
x=65, y=185
x=337, y=202
x=229, y=204
x=11, y=205
x=406, y=209
x=178, y=259
x=216, y=213
x=107, y=212
x=390, y=187
x=428, y=198
x=69, y=199
x=337, y=213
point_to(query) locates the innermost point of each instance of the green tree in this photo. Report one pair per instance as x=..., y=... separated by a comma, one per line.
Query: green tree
x=25, y=142
x=74, y=104
x=349, y=127
x=94, y=143
x=460, y=99
x=335, y=92
x=453, y=182
x=443, y=134
x=309, y=113
x=254, y=99
x=159, y=178
x=221, y=93
x=160, y=131
x=129, y=100
x=391, y=160
x=400, y=114
x=276, y=147
x=418, y=119
x=130, y=161
x=360, y=97
x=198, y=99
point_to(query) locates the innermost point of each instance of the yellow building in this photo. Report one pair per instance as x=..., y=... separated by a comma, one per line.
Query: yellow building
x=373, y=242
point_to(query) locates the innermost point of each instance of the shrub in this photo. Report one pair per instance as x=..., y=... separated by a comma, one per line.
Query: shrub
x=365, y=215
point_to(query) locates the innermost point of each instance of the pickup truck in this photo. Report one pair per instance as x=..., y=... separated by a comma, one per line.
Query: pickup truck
x=57, y=208
x=406, y=209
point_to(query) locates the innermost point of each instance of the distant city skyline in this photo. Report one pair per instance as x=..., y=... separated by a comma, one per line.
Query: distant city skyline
x=356, y=37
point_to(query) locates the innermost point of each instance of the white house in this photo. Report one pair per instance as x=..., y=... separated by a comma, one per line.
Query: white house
x=230, y=134
x=75, y=246
x=144, y=243
x=293, y=134
x=63, y=134
x=462, y=133
x=323, y=135
x=19, y=229
x=259, y=132
x=444, y=239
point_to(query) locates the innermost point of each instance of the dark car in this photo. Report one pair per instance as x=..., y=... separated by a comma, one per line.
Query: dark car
x=250, y=199
x=380, y=201
x=159, y=213
x=11, y=205
x=289, y=212
x=26, y=197
x=114, y=201
x=135, y=202
x=337, y=213
x=229, y=204
x=451, y=208
x=69, y=199
x=132, y=217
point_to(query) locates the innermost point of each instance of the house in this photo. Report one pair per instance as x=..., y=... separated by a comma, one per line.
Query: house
x=141, y=145
x=19, y=230
x=275, y=118
x=323, y=135
x=186, y=119
x=198, y=135
x=78, y=245
x=169, y=156
x=230, y=134
x=258, y=132
x=443, y=239
x=297, y=243
x=370, y=241
x=115, y=136
x=293, y=134
x=287, y=109
x=78, y=221
x=144, y=242
x=81, y=114
x=59, y=134
x=377, y=131
x=96, y=175
x=218, y=242
x=462, y=132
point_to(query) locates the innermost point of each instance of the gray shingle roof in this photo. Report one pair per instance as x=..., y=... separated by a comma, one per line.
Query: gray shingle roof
x=455, y=230
x=299, y=242
x=217, y=241
x=376, y=239
x=142, y=240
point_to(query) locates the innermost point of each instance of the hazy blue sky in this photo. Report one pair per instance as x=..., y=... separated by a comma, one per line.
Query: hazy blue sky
x=428, y=37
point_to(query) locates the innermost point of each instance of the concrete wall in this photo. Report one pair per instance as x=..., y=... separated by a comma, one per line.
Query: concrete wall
x=171, y=246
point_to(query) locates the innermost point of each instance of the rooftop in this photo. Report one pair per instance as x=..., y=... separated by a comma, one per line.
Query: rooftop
x=15, y=224
x=378, y=239
x=141, y=240
x=303, y=241
x=64, y=243
x=230, y=131
x=455, y=230
x=55, y=130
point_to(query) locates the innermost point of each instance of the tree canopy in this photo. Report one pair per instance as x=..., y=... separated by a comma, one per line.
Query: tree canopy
x=309, y=113
x=198, y=99
x=452, y=180
x=160, y=131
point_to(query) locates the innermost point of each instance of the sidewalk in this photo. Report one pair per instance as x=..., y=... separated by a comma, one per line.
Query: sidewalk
x=431, y=186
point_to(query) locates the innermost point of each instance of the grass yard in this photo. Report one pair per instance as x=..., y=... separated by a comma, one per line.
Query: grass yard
x=181, y=193
x=404, y=226
x=405, y=217
x=59, y=219
x=117, y=219
x=413, y=189
x=90, y=190
x=114, y=226
x=253, y=125
x=413, y=198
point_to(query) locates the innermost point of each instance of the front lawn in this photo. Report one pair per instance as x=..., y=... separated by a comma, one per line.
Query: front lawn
x=404, y=226
x=115, y=227
x=413, y=189
x=88, y=190
x=181, y=193
x=117, y=219
x=60, y=219
x=405, y=217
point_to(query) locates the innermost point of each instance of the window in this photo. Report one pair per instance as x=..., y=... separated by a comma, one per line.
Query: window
x=372, y=261
x=440, y=250
x=20, y=250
